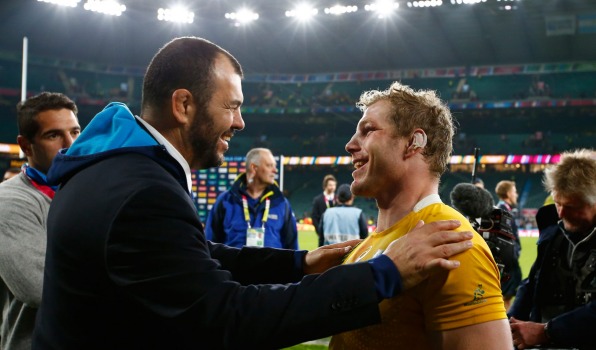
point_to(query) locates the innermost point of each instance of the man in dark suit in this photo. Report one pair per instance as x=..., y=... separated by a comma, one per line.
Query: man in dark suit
x=128, y=265
x=322, y=202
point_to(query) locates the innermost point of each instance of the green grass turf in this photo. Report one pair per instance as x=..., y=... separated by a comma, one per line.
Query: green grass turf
x=308, y=240
x=528, y=254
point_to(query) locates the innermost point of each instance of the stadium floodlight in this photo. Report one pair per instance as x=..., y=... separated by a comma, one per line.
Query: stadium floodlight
x=425, y=3
x=108, y=7
x=70, y=3
x=340, y=10
x=383, y=8
x=466, y=2
x=176, y=14
x=242, y=17
x=508, y=5
x=302, y=12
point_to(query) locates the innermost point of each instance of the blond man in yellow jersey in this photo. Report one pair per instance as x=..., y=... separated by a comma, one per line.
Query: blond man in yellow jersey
x=400, y=149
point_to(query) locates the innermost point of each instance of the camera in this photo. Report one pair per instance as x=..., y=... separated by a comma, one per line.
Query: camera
x=496, y=229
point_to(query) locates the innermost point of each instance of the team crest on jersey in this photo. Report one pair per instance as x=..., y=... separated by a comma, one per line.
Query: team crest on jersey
x=478, y=296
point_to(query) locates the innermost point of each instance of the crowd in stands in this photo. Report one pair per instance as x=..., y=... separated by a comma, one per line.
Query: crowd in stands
x=271, y=95
x=478, y=126
x=276, y=95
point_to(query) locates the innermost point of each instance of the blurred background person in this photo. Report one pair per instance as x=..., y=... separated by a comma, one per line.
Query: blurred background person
x=322, y=202
x=478, y=182
x=11, y=172
x=343, y=222
x=507, y=193
x=254, y=212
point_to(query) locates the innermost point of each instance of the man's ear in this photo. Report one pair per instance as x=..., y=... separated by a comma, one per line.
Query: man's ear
x=252, y=168
x=250, y=173
x=417, y=141
x=25, y=145
x=183, y=106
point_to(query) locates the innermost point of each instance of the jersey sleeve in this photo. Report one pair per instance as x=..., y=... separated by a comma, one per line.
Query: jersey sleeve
x=468, y=295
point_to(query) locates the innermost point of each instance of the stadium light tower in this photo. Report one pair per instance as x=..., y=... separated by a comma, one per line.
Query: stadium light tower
x=302, y=12
x=69, y=3
x=176, y=14
x=108, y=7
x=383, y=8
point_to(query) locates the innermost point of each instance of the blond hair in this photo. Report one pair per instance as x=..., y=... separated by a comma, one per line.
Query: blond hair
x=574, y=175
x=503, y=187
x=418, y=109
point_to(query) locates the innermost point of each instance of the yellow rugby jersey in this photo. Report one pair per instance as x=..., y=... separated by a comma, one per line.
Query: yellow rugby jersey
x=468, y=295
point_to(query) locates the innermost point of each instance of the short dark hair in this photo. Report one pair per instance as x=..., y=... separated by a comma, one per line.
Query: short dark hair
x=344, y=193
x=28, y=110
x=183, y=63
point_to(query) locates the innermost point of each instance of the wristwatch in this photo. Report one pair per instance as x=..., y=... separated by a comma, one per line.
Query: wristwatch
x=547, y=334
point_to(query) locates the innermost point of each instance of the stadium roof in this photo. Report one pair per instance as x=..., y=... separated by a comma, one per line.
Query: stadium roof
x=450, y=35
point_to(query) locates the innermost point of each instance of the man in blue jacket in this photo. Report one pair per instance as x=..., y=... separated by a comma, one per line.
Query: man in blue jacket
x=128, y=265
x=254, y=212
x=555, y=307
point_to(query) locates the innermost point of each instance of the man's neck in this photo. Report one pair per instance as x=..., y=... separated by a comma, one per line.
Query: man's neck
x=328, y=194
x=32, y=165
x=255, y=190
x=395, y=208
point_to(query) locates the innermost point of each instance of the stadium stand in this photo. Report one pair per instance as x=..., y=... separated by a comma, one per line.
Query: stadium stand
x=504, y=115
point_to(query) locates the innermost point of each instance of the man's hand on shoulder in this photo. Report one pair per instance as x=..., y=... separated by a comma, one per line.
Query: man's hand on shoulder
x=426, y=249
x=328, y=256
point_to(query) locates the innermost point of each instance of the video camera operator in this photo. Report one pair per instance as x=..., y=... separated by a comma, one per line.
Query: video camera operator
x=493, y=224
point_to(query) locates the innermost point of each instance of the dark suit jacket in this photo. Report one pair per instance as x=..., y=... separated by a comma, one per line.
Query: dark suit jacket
x=128, y=267
x=319, y=205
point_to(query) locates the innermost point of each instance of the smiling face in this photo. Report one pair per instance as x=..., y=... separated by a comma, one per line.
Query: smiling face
x=214, y=124
x=377, y=153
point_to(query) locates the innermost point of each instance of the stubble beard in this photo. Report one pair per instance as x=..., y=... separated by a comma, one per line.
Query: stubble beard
x=204, y=142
